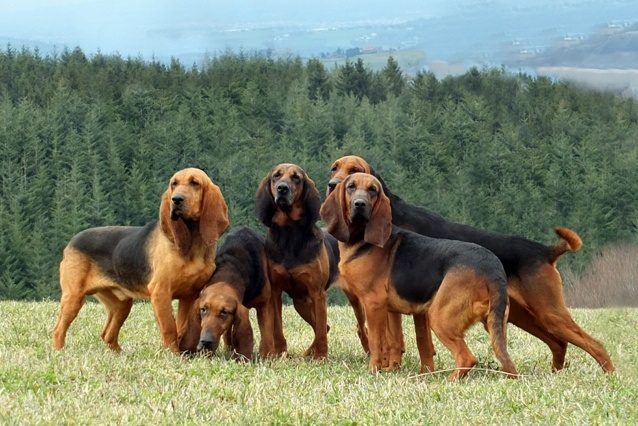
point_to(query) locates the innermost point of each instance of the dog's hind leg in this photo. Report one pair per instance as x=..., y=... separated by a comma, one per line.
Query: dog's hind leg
x=524, y=320
x=74, y=272
x=118, y=311
x=70, y=305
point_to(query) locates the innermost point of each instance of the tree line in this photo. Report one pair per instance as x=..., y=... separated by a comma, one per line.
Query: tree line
x=91, y=140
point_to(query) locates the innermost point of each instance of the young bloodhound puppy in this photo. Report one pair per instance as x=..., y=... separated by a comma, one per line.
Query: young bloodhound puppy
x=299, y=257
x=390, y=269
x=534, y=284
x=164, y=260
x=239, y=283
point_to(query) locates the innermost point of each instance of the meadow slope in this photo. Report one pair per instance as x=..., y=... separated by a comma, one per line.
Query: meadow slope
x=86, y=384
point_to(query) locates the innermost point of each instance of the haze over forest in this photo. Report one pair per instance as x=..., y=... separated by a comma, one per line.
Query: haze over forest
x=444, y=36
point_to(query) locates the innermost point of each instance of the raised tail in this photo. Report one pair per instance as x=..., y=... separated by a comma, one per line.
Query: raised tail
x=570, y=242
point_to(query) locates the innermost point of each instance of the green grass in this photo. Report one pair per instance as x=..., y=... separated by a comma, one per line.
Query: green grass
x=87, y=384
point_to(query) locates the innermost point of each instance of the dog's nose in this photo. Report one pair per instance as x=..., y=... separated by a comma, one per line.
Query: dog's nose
x=283, y=188
x=178, y=199
x=332, y=184
x=360, y=203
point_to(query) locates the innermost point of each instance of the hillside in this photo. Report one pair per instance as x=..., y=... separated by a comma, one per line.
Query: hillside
x=91, y=141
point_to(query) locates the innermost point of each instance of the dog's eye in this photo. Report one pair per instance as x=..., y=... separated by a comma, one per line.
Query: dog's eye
x=195, y=184
x=277, y=175
x=296, y=178
x=173, y=184
x=203, y=311
x=351, y=185
x=373, y=189
x=355, y=170
x=223, y=313
x=334, y=169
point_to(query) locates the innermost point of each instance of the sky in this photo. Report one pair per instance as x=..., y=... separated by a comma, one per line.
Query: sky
x=163, y=28
x=144, y=27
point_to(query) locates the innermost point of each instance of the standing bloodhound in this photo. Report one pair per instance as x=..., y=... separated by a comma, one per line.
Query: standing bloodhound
x=164, y=260
x=390, y=269
x=299, y=257
x=239, y=283
x=534, y=284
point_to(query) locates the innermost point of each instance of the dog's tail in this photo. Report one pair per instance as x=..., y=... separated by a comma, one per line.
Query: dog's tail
x=570, y=242
x=497, y=323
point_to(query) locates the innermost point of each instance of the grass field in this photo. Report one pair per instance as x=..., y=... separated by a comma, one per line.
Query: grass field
x=86, y=384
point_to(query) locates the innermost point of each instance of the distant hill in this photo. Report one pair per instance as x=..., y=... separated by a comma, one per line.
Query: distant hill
x=613, y=46
x=444, y=36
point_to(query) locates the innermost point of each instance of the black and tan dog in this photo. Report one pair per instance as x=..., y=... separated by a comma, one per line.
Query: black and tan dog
x=299, y=258
x=239, y=283
x=534, y=285
x=167, y=259
x=390, y=269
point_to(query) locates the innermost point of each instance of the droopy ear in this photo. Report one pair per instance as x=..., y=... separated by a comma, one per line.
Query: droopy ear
x=265, y=206
x=311, y=199
x=243, y=340
x=175, y=230
x=379, y=227
x=332, y=212
x=190, y=339
x=214, y=220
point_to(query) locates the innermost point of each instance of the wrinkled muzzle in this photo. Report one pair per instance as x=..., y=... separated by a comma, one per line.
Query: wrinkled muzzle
x=283, y=195
x=177, y=206
x=359, y=211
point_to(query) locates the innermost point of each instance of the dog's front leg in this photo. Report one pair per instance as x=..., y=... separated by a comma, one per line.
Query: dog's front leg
x=163, y=310
x=377, y=318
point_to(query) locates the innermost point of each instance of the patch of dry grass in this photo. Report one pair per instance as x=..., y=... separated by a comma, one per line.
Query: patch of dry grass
x=611, y=279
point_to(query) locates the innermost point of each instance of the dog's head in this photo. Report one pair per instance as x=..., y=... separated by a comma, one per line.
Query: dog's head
x=344, y=167
x=192, y=198
x=286, y=194
x=358, y=208
x=220, y=312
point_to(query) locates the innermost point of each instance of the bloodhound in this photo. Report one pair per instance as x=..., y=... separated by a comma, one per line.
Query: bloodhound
x=534, y=284
x=300, y=260
x=164, y=260
x=239, y=283
x=390, y=269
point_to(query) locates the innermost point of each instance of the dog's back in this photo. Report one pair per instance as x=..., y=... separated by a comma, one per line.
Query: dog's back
x=240, y=262
x=120, y=252
x=515, y=253
x=421, y=263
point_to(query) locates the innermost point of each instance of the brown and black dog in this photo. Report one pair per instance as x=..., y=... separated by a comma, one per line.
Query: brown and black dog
x=300, y=260
x=239, y=283
x=534, y=284
x=390, y=269
x=167, y=259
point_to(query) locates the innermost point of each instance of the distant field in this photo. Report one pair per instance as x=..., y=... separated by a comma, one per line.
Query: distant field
x=410, y=60
x=616, y=80
x=86, y=384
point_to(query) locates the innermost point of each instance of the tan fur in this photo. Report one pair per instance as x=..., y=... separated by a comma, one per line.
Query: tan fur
x=179, y=268
x=309, y=299
x=238, y=336
x=339, y=171
x=462, y=300
x=305, y=283
x=536, y=296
